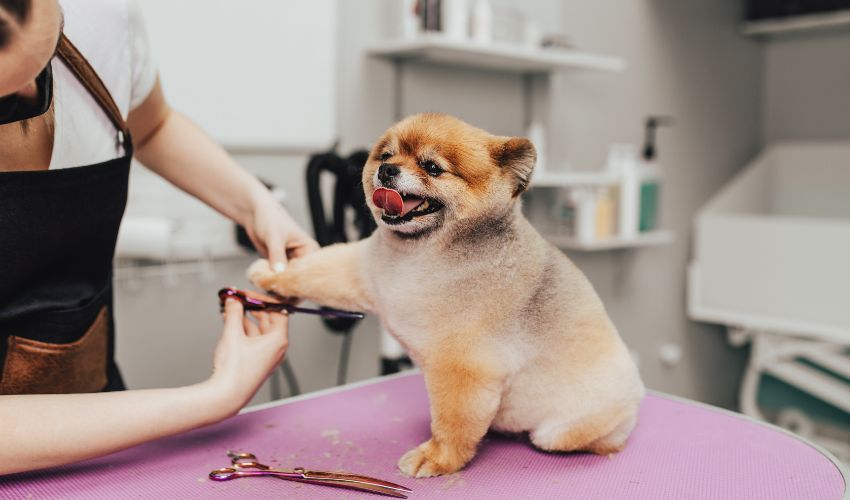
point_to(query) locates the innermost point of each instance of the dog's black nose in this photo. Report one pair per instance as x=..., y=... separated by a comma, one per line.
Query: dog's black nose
x=387, y=172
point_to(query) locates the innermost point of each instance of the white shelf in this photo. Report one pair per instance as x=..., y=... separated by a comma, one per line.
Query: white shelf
x=586, y=178
x=574, y=179
x=811, y=22
x=649, y=238
x=495, y=56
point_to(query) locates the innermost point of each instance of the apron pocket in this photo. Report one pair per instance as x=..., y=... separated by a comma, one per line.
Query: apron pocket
x=35, y=367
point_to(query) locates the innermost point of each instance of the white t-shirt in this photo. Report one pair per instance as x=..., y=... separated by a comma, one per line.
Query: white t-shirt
x=111, y=36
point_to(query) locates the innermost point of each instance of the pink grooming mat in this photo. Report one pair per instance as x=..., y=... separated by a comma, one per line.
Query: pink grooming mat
x=679, y=450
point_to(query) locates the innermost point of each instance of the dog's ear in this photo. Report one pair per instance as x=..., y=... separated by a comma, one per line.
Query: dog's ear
x=517, y=156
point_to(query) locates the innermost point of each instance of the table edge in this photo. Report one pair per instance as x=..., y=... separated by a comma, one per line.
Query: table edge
x=820, y=449
x=409, y=373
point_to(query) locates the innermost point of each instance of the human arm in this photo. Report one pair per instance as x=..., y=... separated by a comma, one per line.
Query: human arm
x=39, y=431
x=171, y=145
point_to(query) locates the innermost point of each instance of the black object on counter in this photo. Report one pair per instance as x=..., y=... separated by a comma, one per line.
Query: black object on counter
x=758, y=10
x=650, y=150
x=350, y=220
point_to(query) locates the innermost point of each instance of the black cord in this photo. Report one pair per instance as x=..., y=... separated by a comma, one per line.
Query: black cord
x=291, y=379
x=344, y=356
x=348, y=198
x=274, y=387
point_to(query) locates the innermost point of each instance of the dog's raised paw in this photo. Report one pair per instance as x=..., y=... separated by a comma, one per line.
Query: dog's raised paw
x=261, y=275
x=258, y=269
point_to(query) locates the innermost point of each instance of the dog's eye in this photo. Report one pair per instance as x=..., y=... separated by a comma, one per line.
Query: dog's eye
x=432, y=168
x=386, y=156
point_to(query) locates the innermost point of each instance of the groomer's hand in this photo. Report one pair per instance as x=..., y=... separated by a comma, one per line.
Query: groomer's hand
x=276, y=235
x=247, y=353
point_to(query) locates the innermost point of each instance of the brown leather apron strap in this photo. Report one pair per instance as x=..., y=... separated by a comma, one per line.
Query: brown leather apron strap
x=81, y=68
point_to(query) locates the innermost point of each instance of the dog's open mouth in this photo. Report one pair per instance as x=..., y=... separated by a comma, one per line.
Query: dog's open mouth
x=399, y=208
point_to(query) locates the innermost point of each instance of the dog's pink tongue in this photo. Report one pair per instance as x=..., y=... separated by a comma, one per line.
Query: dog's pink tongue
x=410, y=203
x=392, y=202
x=388, y=199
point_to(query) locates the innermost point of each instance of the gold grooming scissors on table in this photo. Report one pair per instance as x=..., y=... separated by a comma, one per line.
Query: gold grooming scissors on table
x=246, y=465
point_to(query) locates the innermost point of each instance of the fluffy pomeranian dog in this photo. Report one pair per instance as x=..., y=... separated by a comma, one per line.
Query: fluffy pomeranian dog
x=508, y=333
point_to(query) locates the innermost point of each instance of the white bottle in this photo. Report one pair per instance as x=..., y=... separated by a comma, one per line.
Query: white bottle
x=409, y=21
x=531, y=35
x=455, y=19
x=585, y=216
x=482, y=22
x=622, y=161
x=536, y=133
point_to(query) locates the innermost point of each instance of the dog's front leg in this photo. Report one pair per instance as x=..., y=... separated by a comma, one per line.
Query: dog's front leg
x=464, y=400
x=331, y=276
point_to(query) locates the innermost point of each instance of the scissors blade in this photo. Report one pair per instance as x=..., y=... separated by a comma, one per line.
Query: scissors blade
x=328, y=313
x=253, y=303
x=355, y=479
x=354, y=485
x=324, y=479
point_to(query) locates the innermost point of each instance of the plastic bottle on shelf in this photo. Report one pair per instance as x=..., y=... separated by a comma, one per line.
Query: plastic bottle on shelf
x=536, y=133
x=429, y=11
x=649, y=175
x=409, y=22
x=605, y=216
x=564, y=213
x=531, y=34
x=584, y=201
x=482, y=22
x=622, y=161
x=455, y=19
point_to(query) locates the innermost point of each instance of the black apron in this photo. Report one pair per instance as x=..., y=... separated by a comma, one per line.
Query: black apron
x=57, y=240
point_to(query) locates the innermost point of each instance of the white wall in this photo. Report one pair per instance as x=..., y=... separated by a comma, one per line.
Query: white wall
x=806, y=87
x=253, y=73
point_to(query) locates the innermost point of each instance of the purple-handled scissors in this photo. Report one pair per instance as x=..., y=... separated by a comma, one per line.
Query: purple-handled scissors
x=246, y=465
x=251, y=302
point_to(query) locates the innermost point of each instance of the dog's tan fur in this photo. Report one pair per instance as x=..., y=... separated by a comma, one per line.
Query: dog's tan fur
x=509, y=334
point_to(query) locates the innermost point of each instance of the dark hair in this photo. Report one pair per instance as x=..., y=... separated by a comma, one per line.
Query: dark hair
x=17, y=10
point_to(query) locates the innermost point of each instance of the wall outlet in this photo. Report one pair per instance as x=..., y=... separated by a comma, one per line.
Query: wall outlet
x=670, y=354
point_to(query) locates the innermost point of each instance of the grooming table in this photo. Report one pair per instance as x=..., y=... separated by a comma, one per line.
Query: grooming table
x=679, y=450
